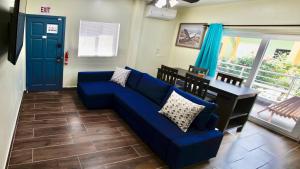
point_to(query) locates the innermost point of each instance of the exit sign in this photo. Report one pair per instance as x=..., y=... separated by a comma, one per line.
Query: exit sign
x=45, y=9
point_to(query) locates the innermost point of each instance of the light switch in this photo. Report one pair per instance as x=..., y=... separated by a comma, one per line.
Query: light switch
x=157, y=52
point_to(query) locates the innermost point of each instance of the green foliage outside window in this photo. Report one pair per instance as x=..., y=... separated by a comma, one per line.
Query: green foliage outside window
x=270, y=67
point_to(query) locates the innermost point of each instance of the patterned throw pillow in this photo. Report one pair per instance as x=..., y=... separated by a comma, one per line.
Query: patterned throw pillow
x=120, y=76
x=181, y=111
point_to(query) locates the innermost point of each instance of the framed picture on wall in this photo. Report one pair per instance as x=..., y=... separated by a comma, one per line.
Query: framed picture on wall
x=191, y=35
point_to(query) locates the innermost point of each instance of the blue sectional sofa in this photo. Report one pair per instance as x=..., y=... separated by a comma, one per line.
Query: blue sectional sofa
x=138, y=104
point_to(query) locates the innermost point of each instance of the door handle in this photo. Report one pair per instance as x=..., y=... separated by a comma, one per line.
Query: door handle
x=59, y=60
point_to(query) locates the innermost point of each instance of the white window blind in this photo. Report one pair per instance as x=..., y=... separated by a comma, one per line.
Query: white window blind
x=98, y=39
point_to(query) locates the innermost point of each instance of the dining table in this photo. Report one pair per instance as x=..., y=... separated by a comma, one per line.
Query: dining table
x=234, y=103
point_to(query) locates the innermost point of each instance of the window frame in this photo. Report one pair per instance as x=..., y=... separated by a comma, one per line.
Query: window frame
x=116, y=37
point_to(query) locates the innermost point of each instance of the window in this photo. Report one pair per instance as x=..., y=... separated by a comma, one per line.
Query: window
x=98, y=39
x=277, y=78
x=237, y=55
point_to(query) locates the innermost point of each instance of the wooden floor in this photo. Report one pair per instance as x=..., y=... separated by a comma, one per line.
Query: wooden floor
x=55, y=131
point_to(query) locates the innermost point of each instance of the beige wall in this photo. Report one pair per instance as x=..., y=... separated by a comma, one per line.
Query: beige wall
x=12, y=86
x=155, y=45
x=245, y=12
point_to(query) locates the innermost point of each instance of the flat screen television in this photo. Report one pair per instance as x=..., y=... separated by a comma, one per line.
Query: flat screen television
x=17, y=26
x=4, y=22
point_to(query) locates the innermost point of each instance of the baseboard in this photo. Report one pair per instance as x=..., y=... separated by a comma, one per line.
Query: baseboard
x=14, y=133
x=69, y=88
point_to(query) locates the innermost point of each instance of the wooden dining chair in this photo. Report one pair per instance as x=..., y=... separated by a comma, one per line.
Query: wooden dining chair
x=194, y=70
x=198, y=70
x=236, y=81
x=196, y=85
x=230, y=79
x=167, y=74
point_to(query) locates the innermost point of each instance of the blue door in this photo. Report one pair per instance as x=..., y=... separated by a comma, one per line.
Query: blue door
x=44, y=52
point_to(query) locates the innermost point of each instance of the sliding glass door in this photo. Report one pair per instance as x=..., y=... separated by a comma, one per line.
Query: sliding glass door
x=278, y=81
x=271, y=65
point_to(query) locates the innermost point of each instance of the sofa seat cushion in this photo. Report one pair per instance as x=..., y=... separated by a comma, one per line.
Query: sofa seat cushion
x=98, y=94
x=136, y=101
x=92, y=89
x=154, y=89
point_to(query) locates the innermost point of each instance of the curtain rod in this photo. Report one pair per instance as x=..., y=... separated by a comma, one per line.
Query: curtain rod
x=261, y=25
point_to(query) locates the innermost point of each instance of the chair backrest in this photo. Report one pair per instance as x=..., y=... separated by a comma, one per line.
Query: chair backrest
x=230, y=79
x=167, y=74
x=196, y=85
x=198, y=70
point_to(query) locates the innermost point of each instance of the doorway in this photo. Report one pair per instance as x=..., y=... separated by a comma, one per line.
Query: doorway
x=44, y=52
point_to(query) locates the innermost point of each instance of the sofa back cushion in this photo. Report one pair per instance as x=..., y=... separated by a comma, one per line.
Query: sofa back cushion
x=152, y=88
x=204, y=116
x=134, y=78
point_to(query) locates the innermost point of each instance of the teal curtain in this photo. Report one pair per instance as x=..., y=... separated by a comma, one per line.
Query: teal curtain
x=208, y=56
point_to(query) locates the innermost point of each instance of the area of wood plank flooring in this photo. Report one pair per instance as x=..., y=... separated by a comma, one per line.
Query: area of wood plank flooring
x=55, y=131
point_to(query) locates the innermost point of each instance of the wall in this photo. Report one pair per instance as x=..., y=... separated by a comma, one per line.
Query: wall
x=12, y=85
x=156, y=42
x=244, y=12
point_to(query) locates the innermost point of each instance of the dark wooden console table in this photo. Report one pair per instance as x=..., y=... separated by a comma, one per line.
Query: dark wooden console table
x=234, y=103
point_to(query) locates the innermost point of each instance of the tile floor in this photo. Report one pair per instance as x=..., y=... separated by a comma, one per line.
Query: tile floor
x=55, y=131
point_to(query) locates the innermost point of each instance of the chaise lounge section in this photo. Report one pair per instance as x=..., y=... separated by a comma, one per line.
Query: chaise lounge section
x=138, y=104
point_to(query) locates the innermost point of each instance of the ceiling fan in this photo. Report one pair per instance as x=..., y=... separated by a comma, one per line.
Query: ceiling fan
x=191, y=1
x=170, y=3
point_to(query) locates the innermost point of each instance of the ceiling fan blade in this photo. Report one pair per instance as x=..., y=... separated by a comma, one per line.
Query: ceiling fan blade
x=191, y=1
